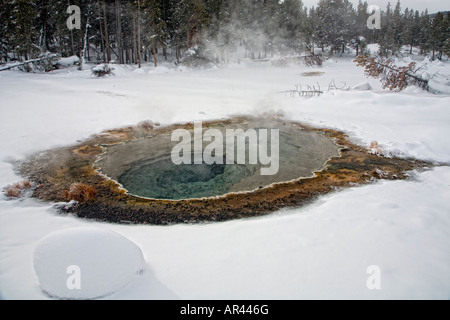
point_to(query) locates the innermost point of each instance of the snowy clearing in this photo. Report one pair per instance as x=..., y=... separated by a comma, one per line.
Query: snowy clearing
x=319, y=251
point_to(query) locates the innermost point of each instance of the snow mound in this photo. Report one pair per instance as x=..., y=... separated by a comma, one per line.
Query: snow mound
x=439, y=87
x=425, y=76
x=85, y=263
x=362, y=86
x=139, y=71
x=160, y=70
x=70, y=61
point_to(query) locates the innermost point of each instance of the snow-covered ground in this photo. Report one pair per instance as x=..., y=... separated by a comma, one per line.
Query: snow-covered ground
x=319, y=251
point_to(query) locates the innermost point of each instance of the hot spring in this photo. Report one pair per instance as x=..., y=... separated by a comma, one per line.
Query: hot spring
x=133, y=175
x=145, y=167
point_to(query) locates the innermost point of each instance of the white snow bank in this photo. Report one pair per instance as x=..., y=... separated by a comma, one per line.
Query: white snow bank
x=373, y=48
x=413, y=123
x=69, y=61
x=161, y=69
x=85, y=263
x=362, y=86
x=139, y=71
x=122, y=69
x=439, y=87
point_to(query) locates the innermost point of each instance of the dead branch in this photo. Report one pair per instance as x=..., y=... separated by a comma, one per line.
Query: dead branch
x=392, y=76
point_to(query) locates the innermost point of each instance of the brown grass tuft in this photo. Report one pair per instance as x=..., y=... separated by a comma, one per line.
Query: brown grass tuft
x=375, y=148
x=80, y=192
x=15, y=190
x=146, y=125
x=12, y=192
x=26, y=184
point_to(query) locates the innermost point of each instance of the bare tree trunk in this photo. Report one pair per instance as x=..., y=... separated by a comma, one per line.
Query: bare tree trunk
x=43, y=40
x=102, y=46
x=139, y=32
x=71, y=40
x=177, y=52
x=119, y=30
x=155, y=59
x=86, y=43
x=135, y=57
x=105, y=24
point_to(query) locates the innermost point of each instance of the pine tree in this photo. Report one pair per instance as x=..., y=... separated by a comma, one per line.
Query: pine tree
x=270, y=24
x=310, y=29
x=446, y=46
x=397, y=27
x=22, y=17
x=387, y=37
x=189, y=21
x=119, y=35
x=293, y=24
x=424, y=35
x=359, y=43
x=338, y=23
x=361, y=19
x=155, y=28
x=415, y=30
x=6, y=28
x=45, y=25
x=408, y=29
x=439, y=33
x=217, y=28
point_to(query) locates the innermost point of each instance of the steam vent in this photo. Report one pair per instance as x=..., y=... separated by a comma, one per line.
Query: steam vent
x=134, y=174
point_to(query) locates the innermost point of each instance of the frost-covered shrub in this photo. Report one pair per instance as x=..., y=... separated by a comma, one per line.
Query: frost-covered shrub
x=48, y=63
x=314, y=60
x=195, y=59
x=147, y=125
x=102, y=70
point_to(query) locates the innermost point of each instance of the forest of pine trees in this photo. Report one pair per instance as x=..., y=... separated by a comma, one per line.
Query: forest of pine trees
x=131, y=32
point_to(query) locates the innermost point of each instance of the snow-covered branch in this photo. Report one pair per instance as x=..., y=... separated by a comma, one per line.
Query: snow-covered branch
x=392, y=76
x=44, y=61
